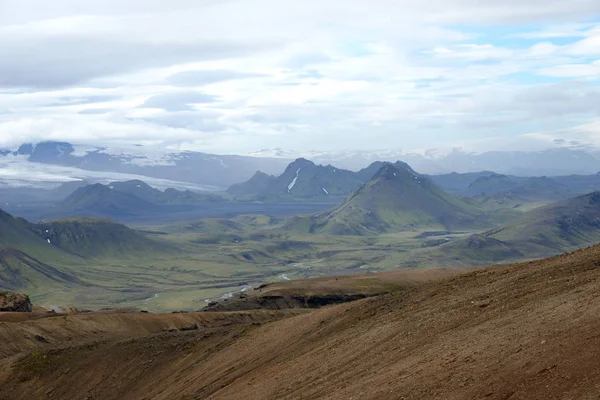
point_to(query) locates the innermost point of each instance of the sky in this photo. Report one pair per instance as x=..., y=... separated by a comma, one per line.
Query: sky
x=237, y=76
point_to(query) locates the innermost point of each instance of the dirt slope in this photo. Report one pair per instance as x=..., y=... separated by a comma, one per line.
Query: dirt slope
x=327, y=290
x=527, y=331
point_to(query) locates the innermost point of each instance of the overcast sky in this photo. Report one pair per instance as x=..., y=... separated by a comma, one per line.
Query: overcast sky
x=231, y=76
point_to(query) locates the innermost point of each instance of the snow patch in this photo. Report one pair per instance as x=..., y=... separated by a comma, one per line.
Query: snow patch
x=284, y=277
x=293, y=183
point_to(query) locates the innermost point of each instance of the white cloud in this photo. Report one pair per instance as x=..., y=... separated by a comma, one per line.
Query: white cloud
x=239, y=75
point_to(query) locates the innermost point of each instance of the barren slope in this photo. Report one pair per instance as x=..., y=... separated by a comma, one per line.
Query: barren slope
x=527, y=331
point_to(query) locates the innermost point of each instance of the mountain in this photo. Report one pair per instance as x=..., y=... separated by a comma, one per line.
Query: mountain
x=131, y=198
x=259, y=183
x=168, y=196
x=395, y=199
x=537, y=189
x=455, y=183
x=542, y=232
x=102, y=200
x=582, y=160
x=491, y=184
x=193, y=167
x=27, y=259
x=56, y=254
x=96, y=237
x=304, y=179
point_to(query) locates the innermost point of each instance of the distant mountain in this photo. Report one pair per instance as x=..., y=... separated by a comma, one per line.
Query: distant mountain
x=303, y=179
x=396, y=199
x=456, y=183
x=542, y=232
x=536, y=189
x=101, y=200
x=169, y=196
x=573, y=160
x=184, y=166
x=491, y=184
x=258, y=184
x=131, y=198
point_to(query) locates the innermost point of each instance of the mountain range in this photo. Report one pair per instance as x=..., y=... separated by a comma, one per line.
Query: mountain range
x=49, y=162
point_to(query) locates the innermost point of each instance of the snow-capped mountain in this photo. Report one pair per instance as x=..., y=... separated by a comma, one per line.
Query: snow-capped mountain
x=62, y=161
x=554, y=161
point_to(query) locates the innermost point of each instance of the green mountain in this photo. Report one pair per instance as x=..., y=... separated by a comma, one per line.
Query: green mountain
x=27, y=259
x=253, y=187
x=63, y=255
x=544, y=231
x=96, y=237
x=396, y=199
x=304, y=179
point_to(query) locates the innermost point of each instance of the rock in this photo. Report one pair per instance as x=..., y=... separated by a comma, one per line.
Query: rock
x=15, y=302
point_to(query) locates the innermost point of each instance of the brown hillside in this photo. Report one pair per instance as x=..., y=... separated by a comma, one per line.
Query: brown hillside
x=327, y=290
x=526, y=331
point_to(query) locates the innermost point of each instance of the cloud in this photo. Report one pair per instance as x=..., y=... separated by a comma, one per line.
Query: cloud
x=179, y=101
x=76, y=101
x=312, y=74
x=205, y=77
x=46, y=59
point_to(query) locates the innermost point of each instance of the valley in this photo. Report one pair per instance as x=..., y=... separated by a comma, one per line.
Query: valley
x=129, y=244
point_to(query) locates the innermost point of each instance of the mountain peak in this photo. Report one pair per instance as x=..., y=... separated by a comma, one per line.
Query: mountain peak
x=301, y=163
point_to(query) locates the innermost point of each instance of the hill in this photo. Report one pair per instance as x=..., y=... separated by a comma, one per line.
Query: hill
x=259, y=183
x=303, y=179
x=525, y=331
x=396, y=199
x=542, y=232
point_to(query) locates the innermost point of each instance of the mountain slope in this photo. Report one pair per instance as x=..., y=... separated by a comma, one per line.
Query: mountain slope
x=525, y=331
x=396, y=199
x=542, y=232
x=27, y=259
x=95, y=237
